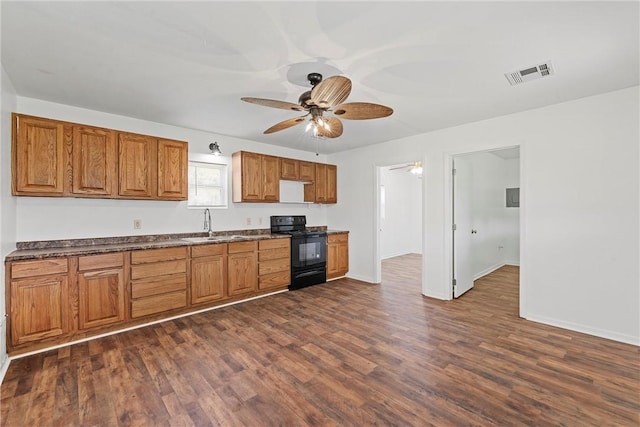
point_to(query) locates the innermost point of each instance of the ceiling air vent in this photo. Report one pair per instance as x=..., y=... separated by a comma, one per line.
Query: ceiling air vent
x=530, y=73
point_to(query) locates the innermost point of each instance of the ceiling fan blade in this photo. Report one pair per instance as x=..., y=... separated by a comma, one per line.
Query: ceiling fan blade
x=274, y=103
x=285, y=124
x=400, y=167
x=335, y=128
x=361, y=111
x=331, y=92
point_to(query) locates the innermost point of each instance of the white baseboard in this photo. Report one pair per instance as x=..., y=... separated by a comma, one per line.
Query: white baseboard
x=3, y=369
x=585, y=329
x=515, y=263
x=487, y=271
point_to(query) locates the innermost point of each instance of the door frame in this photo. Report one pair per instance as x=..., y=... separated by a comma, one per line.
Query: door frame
x=448, y=215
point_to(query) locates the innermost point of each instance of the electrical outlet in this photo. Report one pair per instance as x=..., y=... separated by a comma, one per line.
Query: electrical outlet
x=137, y=224
x=248, y=221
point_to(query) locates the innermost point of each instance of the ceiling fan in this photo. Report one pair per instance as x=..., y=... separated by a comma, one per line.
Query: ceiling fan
x=415, y=168
x=325, y=96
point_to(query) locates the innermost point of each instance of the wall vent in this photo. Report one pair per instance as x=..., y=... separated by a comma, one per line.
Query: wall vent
x=530, y=73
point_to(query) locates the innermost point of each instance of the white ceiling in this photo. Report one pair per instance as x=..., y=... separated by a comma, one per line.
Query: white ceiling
x=437, y=64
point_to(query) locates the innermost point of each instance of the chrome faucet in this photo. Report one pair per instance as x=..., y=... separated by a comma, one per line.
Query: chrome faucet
x=207, y=221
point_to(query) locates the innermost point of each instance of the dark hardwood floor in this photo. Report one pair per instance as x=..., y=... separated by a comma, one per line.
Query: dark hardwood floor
x=342, y=354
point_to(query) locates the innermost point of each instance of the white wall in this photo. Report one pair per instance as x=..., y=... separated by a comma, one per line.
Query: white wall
x=7, y=203
x=49, y=218
x=399, y=233
x=497, y=239
x=579, y=208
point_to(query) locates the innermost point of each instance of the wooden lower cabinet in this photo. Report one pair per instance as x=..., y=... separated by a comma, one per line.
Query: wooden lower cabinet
x=337, y=255
x=158, y=280
x=39, y=300
x=58, y=300
x=274, y=263
x=242, y=268
x=101, y=290
x=208, y=273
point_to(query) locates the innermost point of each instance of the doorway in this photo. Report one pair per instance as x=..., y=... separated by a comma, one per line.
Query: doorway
x=399, y=221
x=485, y=215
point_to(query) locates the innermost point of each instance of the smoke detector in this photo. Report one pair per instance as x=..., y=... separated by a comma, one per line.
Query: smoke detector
x=530, y=73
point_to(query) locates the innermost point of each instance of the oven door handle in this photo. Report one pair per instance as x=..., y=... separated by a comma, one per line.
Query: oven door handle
x=308, y=273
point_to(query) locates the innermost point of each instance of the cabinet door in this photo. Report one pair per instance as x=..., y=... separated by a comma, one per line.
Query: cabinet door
x=343, y=258
x=101, y=297
x=307, y=171
x=137, y=164
x=172, y=169
x=251, y=177
x=208, y=279
x=270, y=179
x=332, y=184
x=39, y=308
x=38, y=163
x=242, y=273
x=332, y=260
x=321, y=183
x=94, y=161
x=289, y=169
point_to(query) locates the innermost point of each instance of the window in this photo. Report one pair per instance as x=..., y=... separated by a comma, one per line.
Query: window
x=207, y=185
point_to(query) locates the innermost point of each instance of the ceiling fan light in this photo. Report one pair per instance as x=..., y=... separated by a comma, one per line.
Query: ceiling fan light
x=308, y=128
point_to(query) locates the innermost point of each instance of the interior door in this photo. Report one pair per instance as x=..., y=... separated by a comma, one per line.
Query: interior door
x=462, y=218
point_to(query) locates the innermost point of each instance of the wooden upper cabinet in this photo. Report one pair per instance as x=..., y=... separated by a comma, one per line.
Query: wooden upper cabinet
x=38, y=157
x=307, y=171
x=324, y=188
x=137, y=164
x=289, y=169
x=332, y=184
x=256, y=177
x=270, y=178
x=321, y=183
x=173, y=162
x=94, y=161
x=57, y=158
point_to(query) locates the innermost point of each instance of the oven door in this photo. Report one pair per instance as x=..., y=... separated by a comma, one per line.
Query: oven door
x=308, y=251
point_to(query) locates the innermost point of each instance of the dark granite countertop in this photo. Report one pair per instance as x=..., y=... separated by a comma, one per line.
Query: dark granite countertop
x=77, y=247
x=337, y=232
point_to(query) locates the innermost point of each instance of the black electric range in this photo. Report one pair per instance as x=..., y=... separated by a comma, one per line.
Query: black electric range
x=308, y=250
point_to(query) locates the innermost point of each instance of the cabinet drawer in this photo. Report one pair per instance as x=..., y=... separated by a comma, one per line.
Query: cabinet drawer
x=158, y=269
x=282, y=253
x=94, y=262
x=158, y=285
x=158, y=303
x=273, y=280
x=274, y=266
x=39, y=268
x=208, y=250
x=338, y=238
x=236, y=247
x=274, y=244
x=158, y=255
